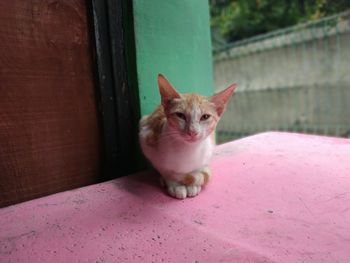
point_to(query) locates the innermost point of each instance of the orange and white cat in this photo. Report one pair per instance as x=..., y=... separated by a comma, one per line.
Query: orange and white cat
x=178, y=138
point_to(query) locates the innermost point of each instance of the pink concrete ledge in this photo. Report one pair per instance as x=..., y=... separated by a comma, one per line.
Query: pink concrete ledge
x=275, y=197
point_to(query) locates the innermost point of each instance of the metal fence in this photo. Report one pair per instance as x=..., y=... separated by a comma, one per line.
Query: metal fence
x=296, y=79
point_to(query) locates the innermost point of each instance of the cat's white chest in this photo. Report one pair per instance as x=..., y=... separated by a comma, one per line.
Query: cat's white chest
x=172, y=157
x=185, y=158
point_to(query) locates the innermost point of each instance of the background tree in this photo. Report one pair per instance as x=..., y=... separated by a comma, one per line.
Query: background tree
x=232, y=20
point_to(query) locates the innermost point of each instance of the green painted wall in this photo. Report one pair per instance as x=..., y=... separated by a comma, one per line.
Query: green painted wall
x=172, y=37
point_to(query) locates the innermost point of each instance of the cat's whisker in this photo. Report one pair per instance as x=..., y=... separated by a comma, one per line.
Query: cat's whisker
x=170, y=134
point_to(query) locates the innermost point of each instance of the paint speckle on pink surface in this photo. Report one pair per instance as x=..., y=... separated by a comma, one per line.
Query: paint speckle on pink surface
x=274, y=197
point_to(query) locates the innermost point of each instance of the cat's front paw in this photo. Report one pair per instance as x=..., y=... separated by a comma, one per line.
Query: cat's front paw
x=181, y=191
x=177, y=191
x=193, y=190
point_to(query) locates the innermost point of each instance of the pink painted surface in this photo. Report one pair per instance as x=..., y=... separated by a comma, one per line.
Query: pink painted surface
x=275, y=197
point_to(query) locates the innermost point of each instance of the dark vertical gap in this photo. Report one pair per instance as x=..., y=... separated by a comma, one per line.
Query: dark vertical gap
x=121, y=37
x=120, y=87
x=119, y=109
x=131, y=72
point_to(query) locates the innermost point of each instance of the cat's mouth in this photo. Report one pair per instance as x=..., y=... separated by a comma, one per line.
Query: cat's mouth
x=192, y=139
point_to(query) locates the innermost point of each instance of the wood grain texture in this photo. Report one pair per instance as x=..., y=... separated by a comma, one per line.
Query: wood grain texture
x=49, y=134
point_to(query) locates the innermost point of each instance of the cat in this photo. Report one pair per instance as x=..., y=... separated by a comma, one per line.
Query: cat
x=178, y=138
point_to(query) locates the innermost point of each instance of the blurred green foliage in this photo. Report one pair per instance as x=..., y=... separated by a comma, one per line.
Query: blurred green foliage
x=232, y=20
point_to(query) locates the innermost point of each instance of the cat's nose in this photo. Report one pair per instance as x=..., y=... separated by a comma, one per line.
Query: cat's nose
x=192, y=133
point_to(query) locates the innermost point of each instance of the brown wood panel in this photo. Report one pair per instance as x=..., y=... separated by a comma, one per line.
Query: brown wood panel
x=49, y=134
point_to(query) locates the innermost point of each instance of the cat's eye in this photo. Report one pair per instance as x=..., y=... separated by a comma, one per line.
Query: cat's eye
x=205, y=117
x=180, y=115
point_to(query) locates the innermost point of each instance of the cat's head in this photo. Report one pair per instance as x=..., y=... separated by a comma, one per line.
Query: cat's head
x=192, y=117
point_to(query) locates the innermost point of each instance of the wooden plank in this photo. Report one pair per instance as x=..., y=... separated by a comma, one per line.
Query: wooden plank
x=49, y=134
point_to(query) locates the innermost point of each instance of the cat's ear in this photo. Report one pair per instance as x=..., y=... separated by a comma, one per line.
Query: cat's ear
x=221, y=99
x=166, y=90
